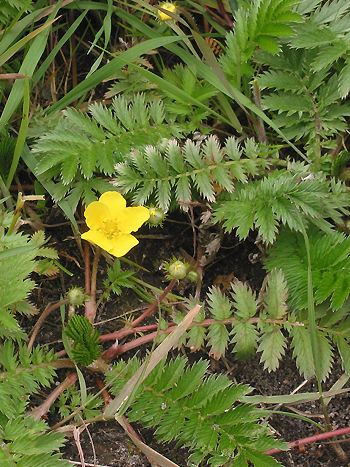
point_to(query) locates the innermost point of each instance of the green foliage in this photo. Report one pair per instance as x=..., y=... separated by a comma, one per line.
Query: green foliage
x=283, y=198
x=199, y=411
x=71, y=401
x=22, y=374
x=7, y=147
x=326, y=32
x=85, y=348
x=19, y=257
x=243, y=325
x=260, y=25
x=26, y=442
x=303, y=86
x=330, y=259
x=117, y=279
x=82, y=147
x=187, y=80
x=12, y=9
x=179, y=77
x=304, y=105
x=169, y=172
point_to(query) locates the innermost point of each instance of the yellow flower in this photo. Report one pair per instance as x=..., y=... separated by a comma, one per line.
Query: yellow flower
x=111, y=222
x=169, y=6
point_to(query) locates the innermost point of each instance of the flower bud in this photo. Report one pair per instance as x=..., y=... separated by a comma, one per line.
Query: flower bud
x=192, y=276
x=156, y=216
x=76, y=296
x=177, y=270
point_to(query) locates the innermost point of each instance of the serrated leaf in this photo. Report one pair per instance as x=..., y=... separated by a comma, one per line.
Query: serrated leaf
x=272, y=345
x=245, y=338
x=344, y=351
x=344, y=80
x=275, y=299
x=302, y=351
x=218, y=338
x=244, y=300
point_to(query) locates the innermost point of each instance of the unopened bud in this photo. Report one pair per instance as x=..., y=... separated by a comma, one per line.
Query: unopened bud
x=76, y=296
x=177, y=270
x=156, y=216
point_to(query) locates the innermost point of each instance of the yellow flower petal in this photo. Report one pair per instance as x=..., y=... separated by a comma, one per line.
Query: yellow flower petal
x=95, y=213
x=131, y=219
x=122, y=244
x=114, y=201
x=98, y=238
x=169, y=6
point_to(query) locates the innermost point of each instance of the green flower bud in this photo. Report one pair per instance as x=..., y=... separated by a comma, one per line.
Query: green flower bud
x=177, y=270
x=76, y=296
x=192, y=276
x=156, y=216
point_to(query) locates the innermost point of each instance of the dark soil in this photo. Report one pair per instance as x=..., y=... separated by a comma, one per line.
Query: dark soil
x=106, y=444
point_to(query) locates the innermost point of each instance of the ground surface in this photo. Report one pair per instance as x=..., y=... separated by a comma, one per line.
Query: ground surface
x=106, y=444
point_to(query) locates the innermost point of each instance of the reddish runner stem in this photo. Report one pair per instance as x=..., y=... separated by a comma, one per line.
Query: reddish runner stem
x=86, y=250
x=90, y=304
x=154, y=306
x=312, y=439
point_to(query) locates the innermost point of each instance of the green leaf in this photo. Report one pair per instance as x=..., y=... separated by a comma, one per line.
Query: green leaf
x=110, y=69
x=218, y=338
x=302, y=351
x=275, y=299
x=344, y=351
x=344, y=80
x=245, y=338
x=272, y=345
x=244, y=300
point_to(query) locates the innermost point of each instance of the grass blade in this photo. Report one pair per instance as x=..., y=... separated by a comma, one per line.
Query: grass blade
x=110, y=68
x=22, y=134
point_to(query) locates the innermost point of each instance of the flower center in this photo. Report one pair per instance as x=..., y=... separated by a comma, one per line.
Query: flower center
x=110, y=228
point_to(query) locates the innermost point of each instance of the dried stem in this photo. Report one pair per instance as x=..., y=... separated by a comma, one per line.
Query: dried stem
x=48, y=310
x=43, y=409
x=224, y=13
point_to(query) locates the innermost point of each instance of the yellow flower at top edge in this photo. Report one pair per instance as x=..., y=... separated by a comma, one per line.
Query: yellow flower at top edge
x=169, y=6
x=111, y=223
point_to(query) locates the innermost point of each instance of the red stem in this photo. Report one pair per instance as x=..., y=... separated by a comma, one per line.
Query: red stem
x=114, y=350
x=86, y=250
x=117, y=335
x=207, y=322
x=312, y=439
x=104, y=393
x=90, y=304
x=154, y=306
x=223, y=12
